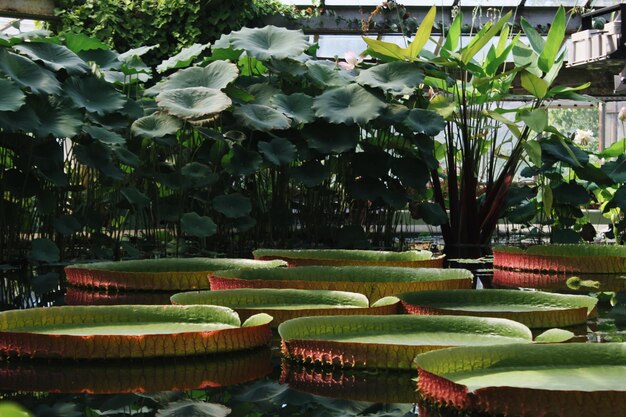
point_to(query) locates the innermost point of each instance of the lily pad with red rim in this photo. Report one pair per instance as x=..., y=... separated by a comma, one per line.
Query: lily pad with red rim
x=560, y=380
x=375, y=282
x=156, y=274
x=105, y=332
x=535, y=309
x=286, y=304
x=389, y=341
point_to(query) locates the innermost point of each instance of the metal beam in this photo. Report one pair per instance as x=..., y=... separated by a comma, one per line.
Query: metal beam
x=28, y=9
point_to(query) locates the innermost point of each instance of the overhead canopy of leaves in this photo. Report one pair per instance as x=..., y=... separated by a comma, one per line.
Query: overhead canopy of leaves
x=193, y=103
x=348, y=105
x=270, y=42
x=260, y=117
x=395, y=77
x=156, y=125
x=28, y=74
x=55, y=57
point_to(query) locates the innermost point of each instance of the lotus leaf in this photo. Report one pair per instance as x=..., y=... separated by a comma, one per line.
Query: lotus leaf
x=390, y=341
x=375, y=282
x=396, y=77
x=193, y=103
x=156, y=274
x=285, y=304
x=533, y=308
x=269, y=42
x=583, y=258
x=93, y=95
x=310, y=173
x=260, y=117
x=195, y=225
x=325, y=75
x=55, y=117
x=156, y=125
x=198, y=175
x=297, y=106
x=278, y=151
x=263, y=93
x=240, y=161
x=12, y=96
x=564, y=380
x=329, y=138
x=184, y=58
x=104, y=135
x=348, y=105
x=216, y=75
x=106, y=60
x=25, y=119
x=28, y=74
x=424, y=121
x=54, y=57
x=79, y=42
x=232, y=205
x=127, y=331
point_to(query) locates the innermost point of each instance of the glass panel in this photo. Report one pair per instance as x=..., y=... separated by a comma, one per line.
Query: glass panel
x=604, y=3
x=374, y=3
x=489, y=3
x=556, y=3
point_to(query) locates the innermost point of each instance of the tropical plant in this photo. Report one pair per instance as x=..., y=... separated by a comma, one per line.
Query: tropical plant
x=473, y=168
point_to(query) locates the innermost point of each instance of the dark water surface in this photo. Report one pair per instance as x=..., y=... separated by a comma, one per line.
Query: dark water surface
x=246, y=384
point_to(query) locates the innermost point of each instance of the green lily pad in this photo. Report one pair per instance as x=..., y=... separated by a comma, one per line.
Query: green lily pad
x=571, y=379
x=535, y=309
x=297, y=106
x=26, y=73
x=350, y=104
x=216, y=75
x=195, y=225
x=260, y=117
x=195, y=103
x=12, y=97
x=425, y=121
x=232, y=205
x=269, y=42
x=104, y=135
x=278, y=151
x=93, y=95
x=156, y=125
x=390, y=341
x=395, y=77
x=374, y=282
x=90, y=332
x=54, y=57
x=184, y=58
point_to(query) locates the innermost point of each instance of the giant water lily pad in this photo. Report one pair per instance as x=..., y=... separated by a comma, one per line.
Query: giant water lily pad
x=285, y=304
x=156, y=274
x=269, y=42
x=193, y=103
x=104, y=332
x=126, y=377
x=564, y=380
x=345, y=257
x=350, y=104
x=558, y=281
x=374, y=282
x=389, y=341
x=591, y=259
x=78, y=296
x=533, y=308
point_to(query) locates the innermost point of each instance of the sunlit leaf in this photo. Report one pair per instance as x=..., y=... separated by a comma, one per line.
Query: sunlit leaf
x=216, y=75
x=269, y=42
x=193, y=102
x=156, y=125
x=297, y=106
x=184, y=58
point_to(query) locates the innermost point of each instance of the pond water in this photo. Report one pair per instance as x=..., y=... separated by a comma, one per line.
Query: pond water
x=247, y=384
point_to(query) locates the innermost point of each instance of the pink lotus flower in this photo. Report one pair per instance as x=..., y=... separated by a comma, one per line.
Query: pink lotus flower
x=352, y=60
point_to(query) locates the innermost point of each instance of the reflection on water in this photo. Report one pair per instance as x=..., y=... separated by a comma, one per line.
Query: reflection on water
x=254, y=384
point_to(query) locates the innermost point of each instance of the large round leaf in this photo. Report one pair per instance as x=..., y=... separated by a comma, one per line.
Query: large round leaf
x=325, y=75
x=216, y=75
x=260, y=117
x=395, y=77
x=297, y=106
x=232, y=205
x=278, y=151
x=183, y=58
x=329, y=138
x=106, y=60
x=311, y=173
x=12, y=97
x=56, y=118
x=24, y=119
x=270, y=42
x=239, y=161
x=104, y=135
x=198, y=175
x=55, y=57
x=349, y=104
x=156, y=125
x=94, y=95
x=195, y=225
x=28, y=74
x=193, y=103
x=425, y=121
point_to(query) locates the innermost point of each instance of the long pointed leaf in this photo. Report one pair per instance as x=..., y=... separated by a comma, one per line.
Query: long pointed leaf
x=454, y=34
x=554, y=41
x=534, y=85
x=423, y=33
x=534, y=38
x=470, y=52
x=386, y=49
